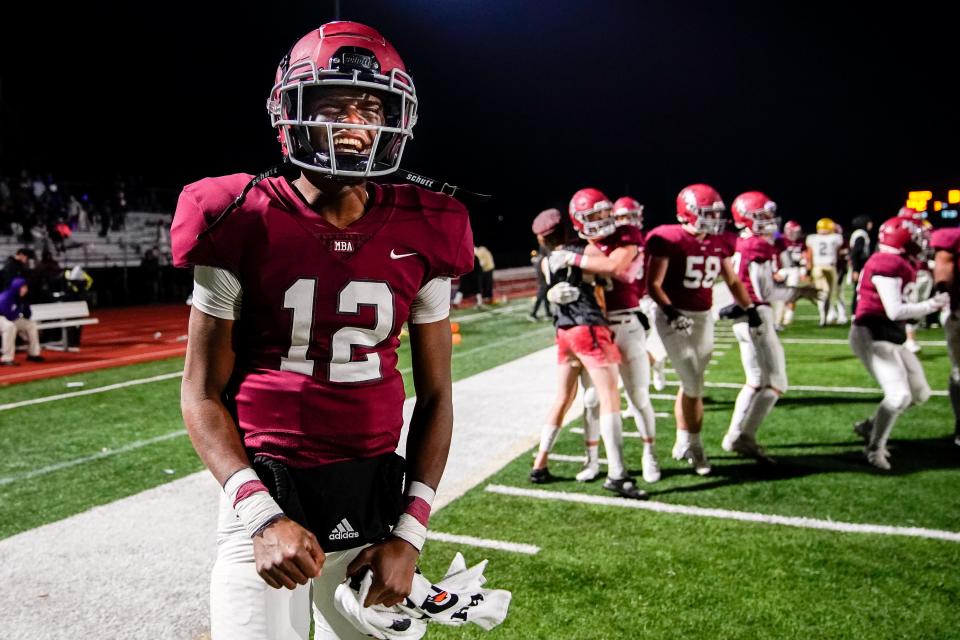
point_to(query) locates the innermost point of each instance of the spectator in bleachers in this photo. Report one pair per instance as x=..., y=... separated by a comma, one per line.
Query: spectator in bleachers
x=48, y=278
x=15, y=319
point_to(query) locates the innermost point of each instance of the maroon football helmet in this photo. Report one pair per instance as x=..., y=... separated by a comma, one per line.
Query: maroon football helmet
x=344, y=88
x=903, y=234
x=591, y=213
x=753, y=210
x=701, y=207
x=792, y=230
x=626, y=211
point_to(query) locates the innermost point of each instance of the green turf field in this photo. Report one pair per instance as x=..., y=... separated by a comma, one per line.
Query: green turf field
x=605, y=571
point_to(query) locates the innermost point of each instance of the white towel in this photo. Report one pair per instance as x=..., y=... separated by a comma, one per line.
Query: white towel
x=457, y=599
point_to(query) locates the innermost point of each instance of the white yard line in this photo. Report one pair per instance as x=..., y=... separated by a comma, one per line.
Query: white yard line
x=87, y=392
x=725, y=514
x=514, y=547
x=839, y=341
x=560, y=457
x=138, y=444
x=806, y=387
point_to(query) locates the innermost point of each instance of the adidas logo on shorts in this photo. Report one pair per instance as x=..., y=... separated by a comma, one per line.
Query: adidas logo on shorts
x=343, y=531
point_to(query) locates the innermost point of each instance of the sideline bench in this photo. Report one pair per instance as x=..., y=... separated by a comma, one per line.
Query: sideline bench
x=61, y=315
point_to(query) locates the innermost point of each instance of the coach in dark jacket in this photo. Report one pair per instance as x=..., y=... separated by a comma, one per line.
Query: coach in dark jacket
x=861, y=246
x=14, y=319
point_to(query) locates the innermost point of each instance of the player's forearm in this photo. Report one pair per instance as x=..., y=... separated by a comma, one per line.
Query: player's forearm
x=658, y=295
x=739, y=293
x=943, y=270
x=213, y=434
x=428, y=442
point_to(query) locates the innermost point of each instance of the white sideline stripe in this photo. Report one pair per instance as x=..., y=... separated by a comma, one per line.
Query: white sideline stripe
x=662, y=396
x=97, y=456
x=153, y=355
x=626, y=433
x=87, y=392
x=827, y=341
x=510, y=308
x=725, y=514
x=802, y=387
x=514, y=547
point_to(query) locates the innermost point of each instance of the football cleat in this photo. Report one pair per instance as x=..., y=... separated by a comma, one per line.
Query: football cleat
x=879, y=458
x=864, y=429
x=589, y=472
x=694, y=454
x=748, y=447
x=650, y=466
x=626, y=487
x=540, y=476
x=728, y=438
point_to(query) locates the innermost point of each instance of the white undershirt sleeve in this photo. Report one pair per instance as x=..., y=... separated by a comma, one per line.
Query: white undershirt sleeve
x=888, y=289
x=766, y=288
x=216, y=292
x=432, y=302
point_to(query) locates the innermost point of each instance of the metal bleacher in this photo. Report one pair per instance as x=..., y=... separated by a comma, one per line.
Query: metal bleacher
x=117, y=249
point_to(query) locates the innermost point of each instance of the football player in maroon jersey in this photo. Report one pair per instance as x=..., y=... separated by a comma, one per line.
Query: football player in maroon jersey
x=291, y=393
x=685, y=261
x=793, y=266
x=761, y=353
x=946, y=244
x=584, y=340
x=877, y=336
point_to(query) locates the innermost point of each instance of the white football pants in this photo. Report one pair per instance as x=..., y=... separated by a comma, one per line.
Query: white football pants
x=689, y=354
x=899, y=374
x=244, y=607
x=765, y=368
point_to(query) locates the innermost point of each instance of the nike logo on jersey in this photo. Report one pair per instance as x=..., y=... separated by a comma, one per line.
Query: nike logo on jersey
x=397, y=256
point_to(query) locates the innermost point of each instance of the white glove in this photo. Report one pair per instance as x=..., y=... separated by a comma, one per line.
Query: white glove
x=563, y=293
x=682, y=324
x=562, y=258
x=939, y=301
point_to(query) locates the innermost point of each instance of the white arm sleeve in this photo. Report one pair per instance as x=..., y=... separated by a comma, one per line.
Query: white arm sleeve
x=432, y=302
x=216, y=292
x=889, y=291
x=761, y=277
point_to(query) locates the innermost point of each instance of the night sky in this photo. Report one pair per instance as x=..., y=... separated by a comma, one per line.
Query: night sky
x=833, y=112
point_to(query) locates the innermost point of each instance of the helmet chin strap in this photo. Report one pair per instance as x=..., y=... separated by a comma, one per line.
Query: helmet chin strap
x=285, y=168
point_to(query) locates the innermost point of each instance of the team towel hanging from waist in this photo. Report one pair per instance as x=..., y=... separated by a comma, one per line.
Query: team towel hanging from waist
x=456, y=600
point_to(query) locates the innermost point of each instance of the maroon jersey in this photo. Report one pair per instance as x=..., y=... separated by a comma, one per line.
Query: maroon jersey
x=889, y=265
x=315, y=379
x=796, y=252
x=625, y=294
x=752, y=249
x=693, y=265
x=949, y=240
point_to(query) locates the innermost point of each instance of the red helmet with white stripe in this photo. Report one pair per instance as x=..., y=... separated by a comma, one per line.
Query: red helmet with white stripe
x=903, y=234
x=753, y=210
x=626, y=211
x=793, y=231
x=344, y=88
x=592, y=214
x=913, y=214
x=701, y=207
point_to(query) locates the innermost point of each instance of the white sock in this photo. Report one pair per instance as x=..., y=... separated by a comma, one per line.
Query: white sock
x=645, y=420
x=611, y=429
x=761, y=406
x=683, y=438
x=740, y=408
x=593, y=454
x=548, y=435
x=788, y=316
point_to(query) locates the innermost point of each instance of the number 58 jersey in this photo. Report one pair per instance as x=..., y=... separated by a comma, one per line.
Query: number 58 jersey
x=693, y=265
x=315, y=379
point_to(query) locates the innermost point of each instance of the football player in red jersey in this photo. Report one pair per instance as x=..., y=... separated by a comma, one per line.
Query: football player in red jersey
x=584, y=340
x=877, y=334
x=291, y=393
x=793, y=266
x=946, y=245
x=685, y=261
x=760, y=351
x=619, y=258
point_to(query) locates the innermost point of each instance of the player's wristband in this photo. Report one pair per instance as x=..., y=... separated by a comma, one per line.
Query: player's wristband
x=412, y=524
x=671, y=312
x=249, y=497
x=580, y=260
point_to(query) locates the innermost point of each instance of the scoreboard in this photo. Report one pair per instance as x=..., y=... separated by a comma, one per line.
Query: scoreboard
x=946, y=211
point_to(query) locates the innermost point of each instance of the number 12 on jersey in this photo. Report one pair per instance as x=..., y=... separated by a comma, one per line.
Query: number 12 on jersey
x=300, y=298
